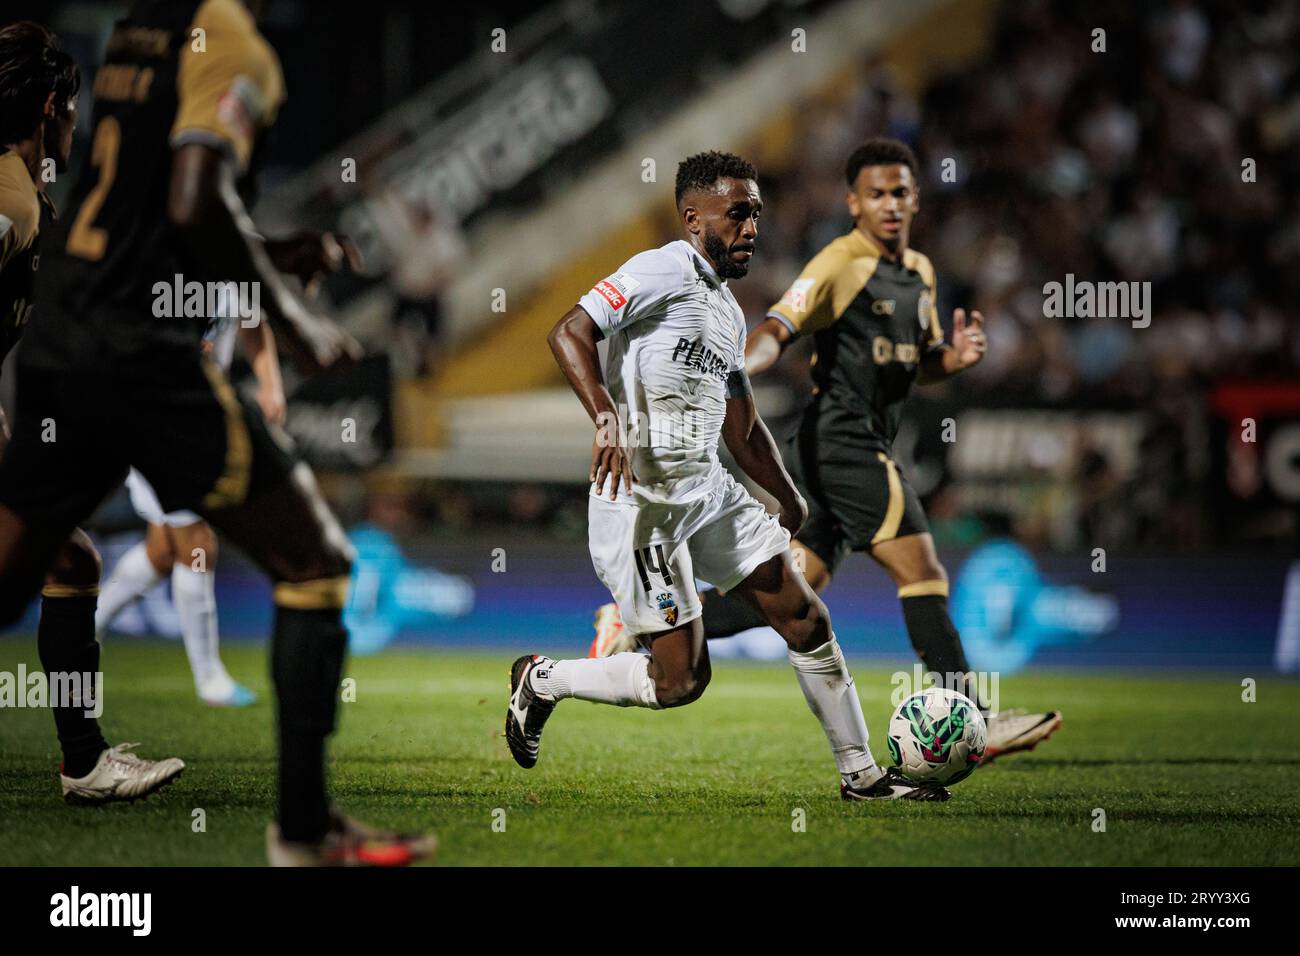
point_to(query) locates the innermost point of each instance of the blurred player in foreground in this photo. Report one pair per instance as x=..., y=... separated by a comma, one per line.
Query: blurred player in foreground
x=180, y=544
x=869, y=301
x=123, y=375
x=39, y=88
x=676, y=378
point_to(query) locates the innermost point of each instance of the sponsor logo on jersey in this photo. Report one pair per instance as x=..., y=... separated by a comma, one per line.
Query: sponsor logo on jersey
x=668, y=607
x=796, y=297
x=924, y=306
x=241, y=108
x=883, y=306
x=616, y=288
x=884, y=351
x=699, y=356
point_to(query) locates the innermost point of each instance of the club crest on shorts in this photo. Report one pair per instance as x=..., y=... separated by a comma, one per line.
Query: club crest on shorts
x=668, y=606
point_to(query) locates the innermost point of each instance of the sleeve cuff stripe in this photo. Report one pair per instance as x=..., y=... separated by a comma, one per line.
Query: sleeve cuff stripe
x=198, y=134
x=784, y=321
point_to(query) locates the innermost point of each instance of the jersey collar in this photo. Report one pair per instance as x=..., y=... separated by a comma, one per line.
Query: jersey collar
x=867, y=247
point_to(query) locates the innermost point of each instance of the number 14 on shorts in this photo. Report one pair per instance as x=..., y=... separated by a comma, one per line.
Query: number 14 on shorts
x=652, y=561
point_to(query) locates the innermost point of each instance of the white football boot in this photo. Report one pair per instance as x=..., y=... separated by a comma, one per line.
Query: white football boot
x=121, y=775
x=224, y=691
x=1012, y=731
x=611, y=636
x=528, y=711
x=891, y=785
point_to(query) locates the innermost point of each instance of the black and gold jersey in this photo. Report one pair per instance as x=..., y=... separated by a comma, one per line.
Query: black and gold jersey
x=175, y=72
x=872, y=318
x=25, y=212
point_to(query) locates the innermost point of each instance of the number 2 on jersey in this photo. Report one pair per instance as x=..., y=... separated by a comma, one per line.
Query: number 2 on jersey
x=84, y=240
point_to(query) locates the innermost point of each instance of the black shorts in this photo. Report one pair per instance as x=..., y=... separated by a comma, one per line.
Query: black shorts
x=856, y=499
x=199, y=444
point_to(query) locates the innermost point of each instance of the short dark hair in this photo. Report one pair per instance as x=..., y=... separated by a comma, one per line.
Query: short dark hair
x=880, y=152
x=702, y=170
x=31, y=68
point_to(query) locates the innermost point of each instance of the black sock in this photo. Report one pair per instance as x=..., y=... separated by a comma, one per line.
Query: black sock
x=935, y=639
x=65, y=640
x=307, y=651
x=727, y=614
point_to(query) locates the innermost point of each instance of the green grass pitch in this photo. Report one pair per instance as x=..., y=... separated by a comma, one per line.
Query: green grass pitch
x=1186, y=772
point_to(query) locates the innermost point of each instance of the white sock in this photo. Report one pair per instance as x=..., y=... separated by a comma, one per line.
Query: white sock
x=132, y=576
x=620, y=679
x=828, y=687
x=195, y=596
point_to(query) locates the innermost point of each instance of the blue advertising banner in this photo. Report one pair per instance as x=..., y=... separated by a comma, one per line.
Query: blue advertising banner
x=1014, y=609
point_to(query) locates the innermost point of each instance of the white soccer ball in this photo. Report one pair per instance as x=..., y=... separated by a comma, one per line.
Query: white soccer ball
x=937, y=735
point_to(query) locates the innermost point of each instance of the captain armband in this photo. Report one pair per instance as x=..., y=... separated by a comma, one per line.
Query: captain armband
x=738, y=384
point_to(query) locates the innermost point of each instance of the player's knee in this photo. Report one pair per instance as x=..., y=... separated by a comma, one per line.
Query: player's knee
x=77, y=564
x=930, y=570
x=196, y=546
x=683, y=690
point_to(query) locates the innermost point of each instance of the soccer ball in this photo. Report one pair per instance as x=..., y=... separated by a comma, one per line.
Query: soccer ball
x=937, y=735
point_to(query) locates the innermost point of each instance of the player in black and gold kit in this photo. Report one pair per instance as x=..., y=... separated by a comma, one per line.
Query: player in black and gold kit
x=39, y=87
x=181, y=102
x=869, y=302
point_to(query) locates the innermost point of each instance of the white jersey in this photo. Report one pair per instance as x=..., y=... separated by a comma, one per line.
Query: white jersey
x=219, y=336
x=675, y=334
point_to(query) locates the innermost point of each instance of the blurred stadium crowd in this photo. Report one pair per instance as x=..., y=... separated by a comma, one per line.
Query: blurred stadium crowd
x=1122, y=165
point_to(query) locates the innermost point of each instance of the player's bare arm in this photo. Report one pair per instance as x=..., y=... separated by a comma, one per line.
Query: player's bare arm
x=209, y=216
x=573, y=343
x=967, y=348
x=751, y=444
x=766, y=343
x=259, y=346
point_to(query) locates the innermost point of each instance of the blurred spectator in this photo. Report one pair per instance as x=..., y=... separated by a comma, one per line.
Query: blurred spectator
x=425, y=249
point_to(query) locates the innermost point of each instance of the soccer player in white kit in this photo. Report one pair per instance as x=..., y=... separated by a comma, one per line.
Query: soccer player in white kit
x=182, y=545
x=675, y=383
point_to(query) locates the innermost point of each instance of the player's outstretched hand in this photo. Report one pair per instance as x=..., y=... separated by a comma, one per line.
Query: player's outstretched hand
x=968, y=339
x=312, y=255
x=613, y=460
x=317, y=344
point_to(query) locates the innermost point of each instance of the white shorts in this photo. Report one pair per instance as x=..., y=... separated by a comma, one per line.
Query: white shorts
x=145, y=502
x=649, y=555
